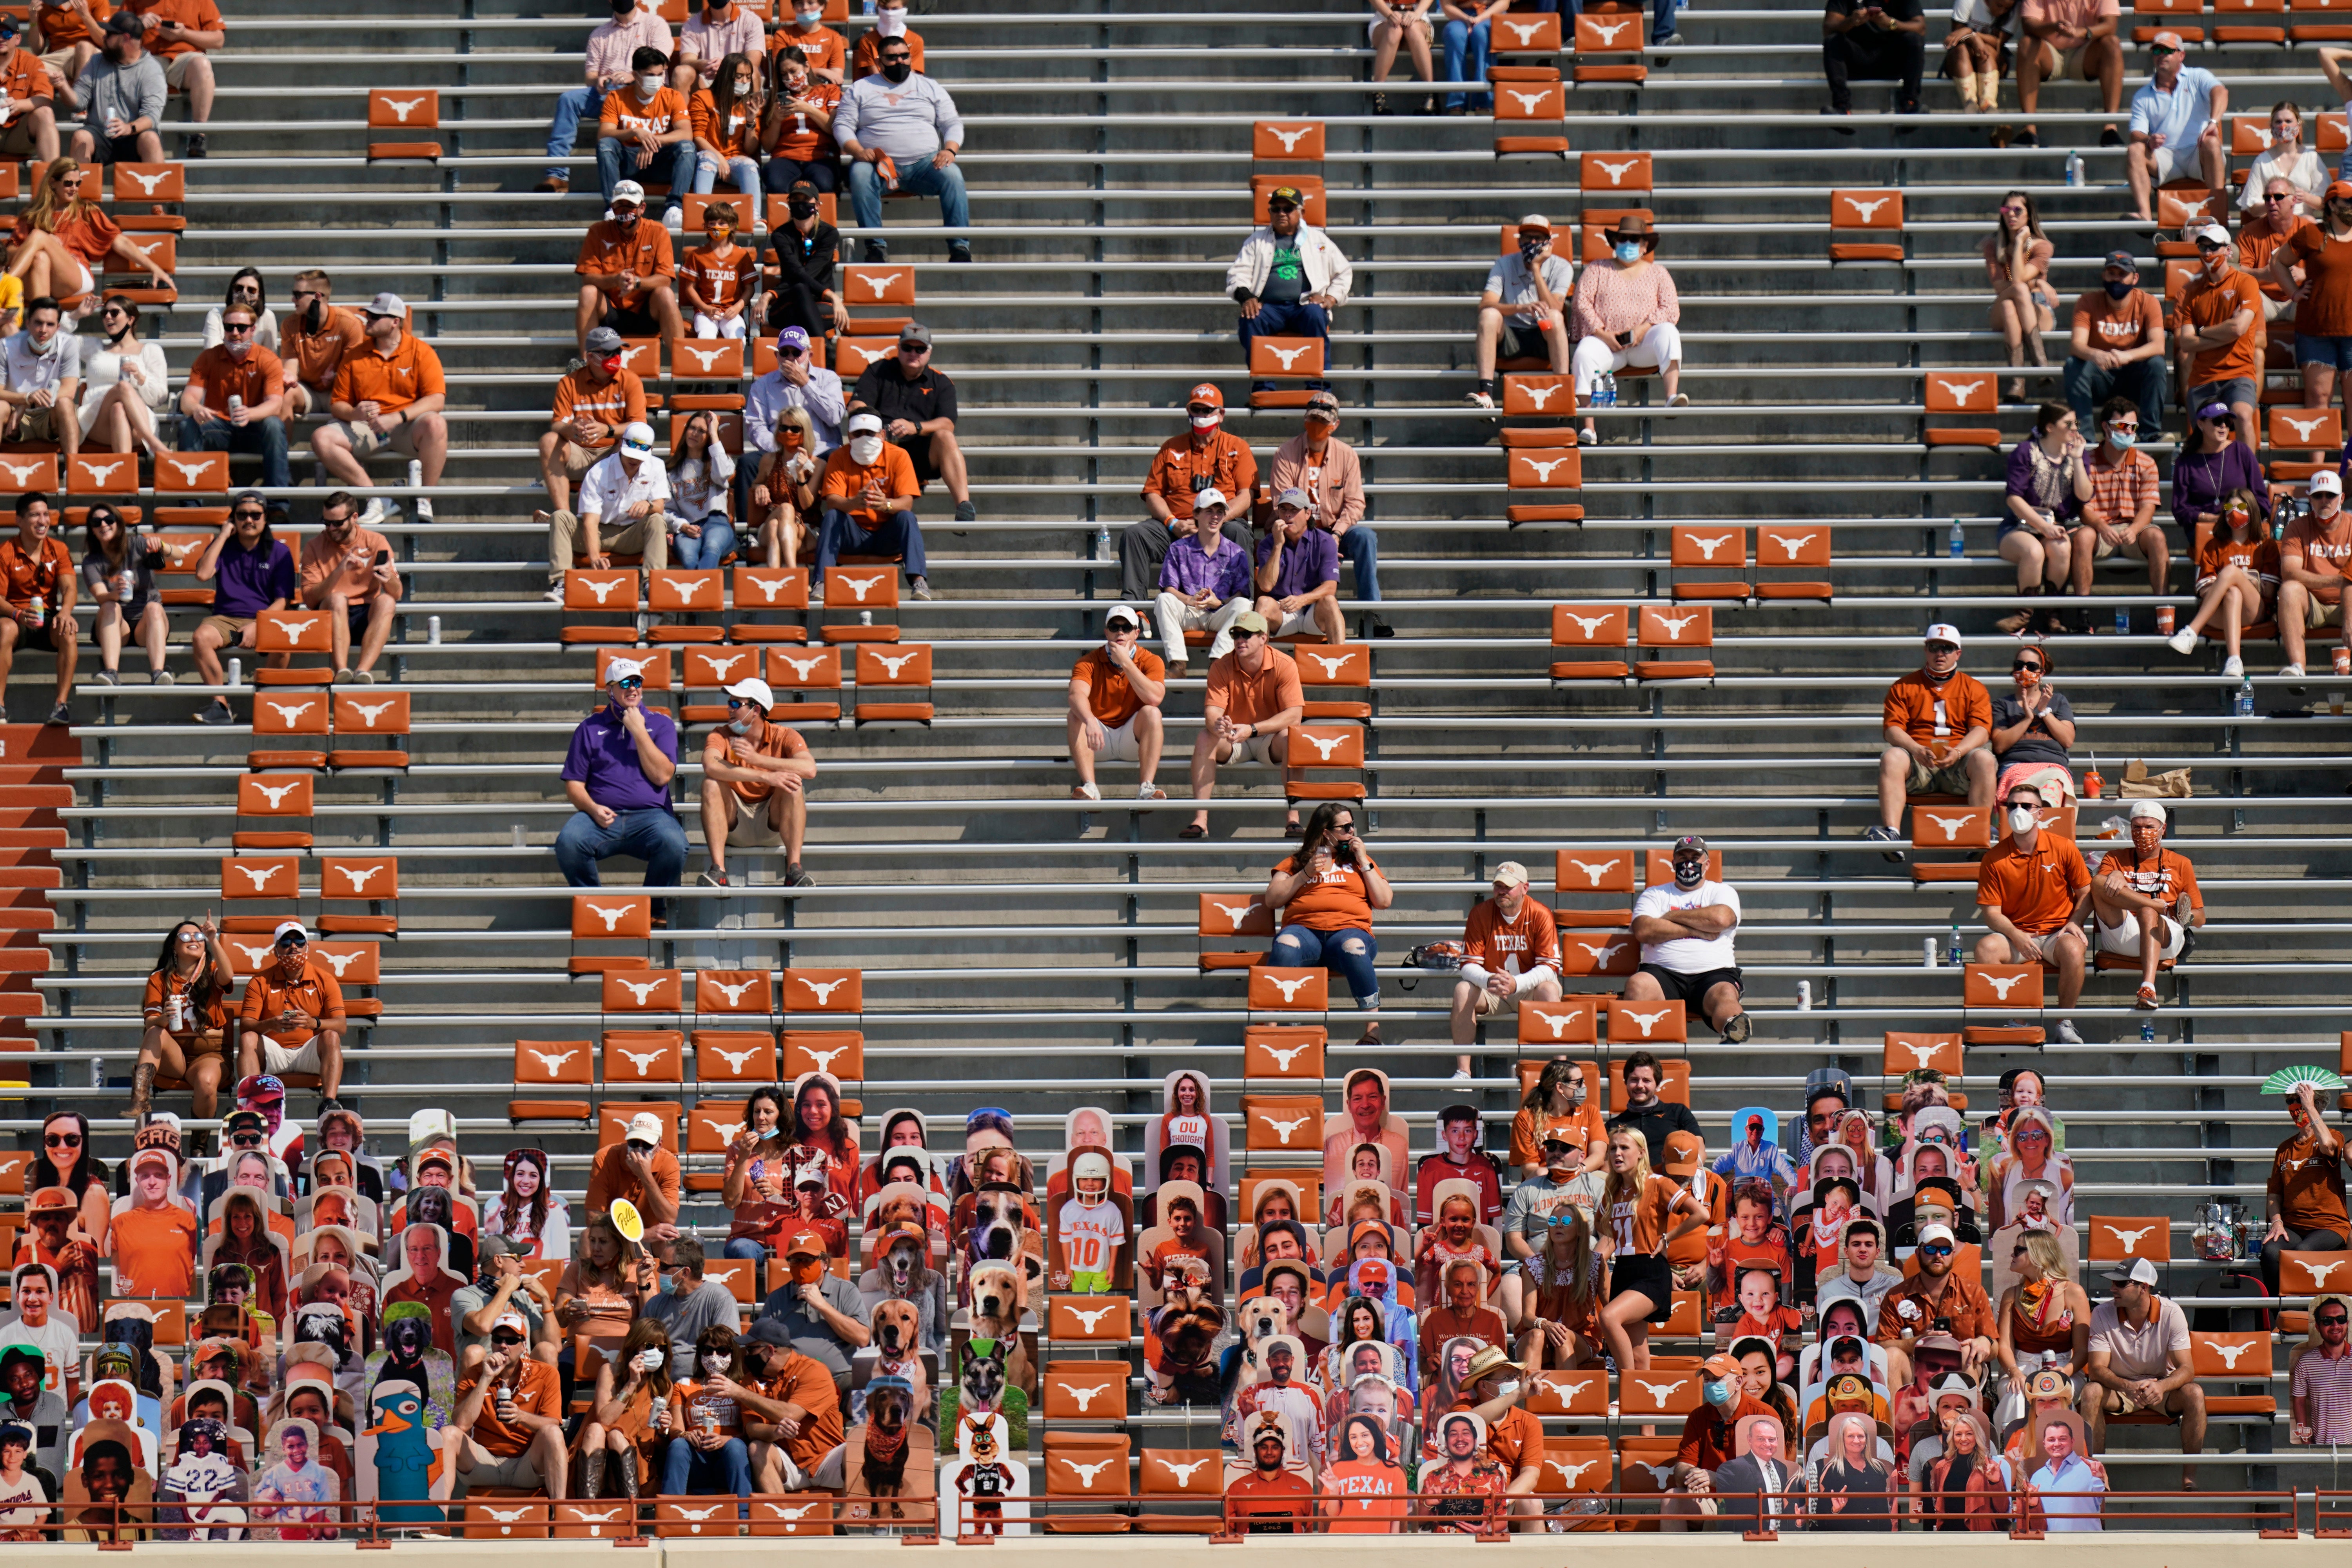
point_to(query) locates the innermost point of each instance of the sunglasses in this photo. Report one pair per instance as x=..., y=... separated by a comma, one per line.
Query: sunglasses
x=506, y=1341
x=742, y=702
x=2025, y=664
x=300, y=294
x=236, y=326
x=2279, y=196
x=1244, y=637
x=630, y=682
x=243, y=516
x=2014, y=212
x=1936, y=1249
x=61, y=1139
x=2334, y=1322
x=245, y=1140
x=918, y=349
x=194, y=936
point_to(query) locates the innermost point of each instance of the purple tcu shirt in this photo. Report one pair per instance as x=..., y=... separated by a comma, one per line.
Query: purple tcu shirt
x=603, y=758
x=1308, y=562
x=1189, y=569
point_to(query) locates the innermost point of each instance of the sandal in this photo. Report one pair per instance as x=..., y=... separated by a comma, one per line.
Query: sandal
x=1191, y=830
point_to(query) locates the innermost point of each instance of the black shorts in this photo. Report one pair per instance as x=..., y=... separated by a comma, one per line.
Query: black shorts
x=632, y=323
x=918, y=448
x=1648, y=1273
x=1691, y=990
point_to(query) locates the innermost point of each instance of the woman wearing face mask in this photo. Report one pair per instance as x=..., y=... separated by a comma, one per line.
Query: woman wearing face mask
x=2286, y=158
x=2323, y=313
x=796, y=136
x=2048, y=483
x=247, y=289
x=1558, y=1105
x=119, y=574
x=2212, y=463
x=700, y=476
x=629, y=1421
x=1626, y=312
x=707, y=1453
x=2033, y=727
x=2237, y=577
x=889, y=22
x=713, y=38
x=784, y=492
x=727, y=125
x=2017, y=263
x=758, y=1183
x=124, y=382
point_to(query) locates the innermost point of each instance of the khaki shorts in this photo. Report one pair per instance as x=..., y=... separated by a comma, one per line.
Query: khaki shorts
x=2124, y=939
x=177, y=68
x=1121, y=744
x=576, y=459
x=230, y=629
x=59, y=61
x=38, y=423
x=1952, y=778
x=1258, y=749
x=279, y=1059
x=518, y=1474
x=2314, y=613
x=750, y=829
x=2069, y=64
x=366, y=443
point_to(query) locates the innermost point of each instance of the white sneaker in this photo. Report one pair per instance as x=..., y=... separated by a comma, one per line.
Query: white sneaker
x=2067, y=1034
x=673, y=220
x=2183, y=642
x=554, y=594
x=1086, y=792
x=2234, y=669
x=373, y=514
x=1461, y=1075
x=2290, y=670
x=1150, y=792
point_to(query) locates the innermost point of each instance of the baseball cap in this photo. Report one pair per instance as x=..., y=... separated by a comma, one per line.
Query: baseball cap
x=146, y=1157
x=1511, y=874
x=644, y=1127
x=865, y=425
x=1284, y=196
x=2121, y=258
x=387, y=304
x=1691, y=842
x=793, y=338
x=1553, y=1142
x=769, y=1331
x=604, y=341
x=1944, y=631
x=2049, y=1383
x=1683, y=1151
x=1720, y=1364
x=628, y=191
x=1536, y=220
x=2327, y=482
x=1294, y=496
x=9, y=28
x=2148, y=810
x=1249, y=621
x=512, y=1321
x=2138, y=1272
x=1324, y=403
x=804, y=1242
x=2164, y=42
x=2339, y=190
x=261, y=1086
x=1207, y=392
x=245, y=1120
x=432, y=1123
x=2209, y=233
x=2214, y=411
x=1928, y=1233
x=122, y=24
x=915, y=333
x=1373, y=1271
x=637, y=438
x=290, y=928
x=1122, y=613
x=751, y=689
x=1210, y=499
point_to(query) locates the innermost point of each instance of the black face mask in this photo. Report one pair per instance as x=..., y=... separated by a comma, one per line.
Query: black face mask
x=624, y=7
x=897, y=70
x=803, y=208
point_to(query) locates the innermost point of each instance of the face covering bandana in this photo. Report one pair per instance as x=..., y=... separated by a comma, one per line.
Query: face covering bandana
x=714, y=1364
x=241, y=348
x=1205, y=421
x=897, y=70
x=807, y=1270
x=2021, y=819
x=803, y=208
x=891, y=24
x=1629, y=250
x=865, y=449
x=1689, y=873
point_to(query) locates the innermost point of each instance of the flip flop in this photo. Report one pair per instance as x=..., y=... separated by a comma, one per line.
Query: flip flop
x=1191, y=830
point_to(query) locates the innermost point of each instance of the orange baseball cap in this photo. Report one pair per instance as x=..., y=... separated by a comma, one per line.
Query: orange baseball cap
x=805, y=1241
x=1683, y=1151
x=2340, y=190
x=2166, y=41
x=1207, y=390
x=1721, y=1364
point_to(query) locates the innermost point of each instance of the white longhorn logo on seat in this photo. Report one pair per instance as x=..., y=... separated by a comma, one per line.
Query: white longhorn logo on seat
x=865, y=356
x=599, y=587
x=645, y=1062
x=1607, y=31
x=190, y=472
x=1529, y=101
x=861, y=586
x=1659, y=1474
x=2302, y=428
x=1616, y=172
x=622, y=668
x=706, y=358
x=822, y=990
x=2002, y=984
x=881, y=285
x=1661, y=1392
x=1647, y=1020
x=339, y=962
x=1675, y=624
x=1084, y=1397
x=1541, y=395
x=1558, y=1022
x=1289, y=988
x=1543, y=467
x=582, y=1515
x=2320, y=1271
x=1525, y=30
x=1707, y=547
x=276, y=793
x=769, y=586
x=1332, y=664
x=823, y=1059
x=1087, y=1473
x=802, y=668
x=2229, y=1354
x=1282, y=1058
x=1601, y=954
x=1592, y=624
x=1237, y=913
x=1290, y=139
x=1793, y=542
x=1960, y=391
x=1283, y=1129
x=252, y=955
x=1924, y=1053
x=780, y=1511
x=1287, y=356
x=101, y=472
x=297, y=629
x=22, y=472
x=402, y=108
x=609, y=913
x=1323, y=745
x=720, y=666
x=259, y=877
x=733, y=993
x=734, y=1059
x=1184, y=1472
x=891, y=667
x=504, y=1515
x=554, y=1064
x=1950, y=825
x=1568, y=1472
x=1864, y=210
x=147, y=182
x=685, y=1512
x=368, y=711
x=1086, y=1319
x=721, y=1132
x=640, y=989
x=1591, y=871
x=356, y=877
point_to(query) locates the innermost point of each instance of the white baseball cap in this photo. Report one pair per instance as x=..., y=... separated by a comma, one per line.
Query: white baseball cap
x=2327, y=483
x=637, y=438
x=751, y=689
x=1122, y=613
x=1536, y=220
x=1944, y=631
x=865, y=425
x=2139, y=1270
x=628, y=191
x=1208, y=498
x=292, y=928
x=2148, y=810
x=2210, y=234
x=644, y=1127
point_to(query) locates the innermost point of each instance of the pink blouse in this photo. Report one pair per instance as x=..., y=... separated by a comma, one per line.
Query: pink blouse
x=1611, y=298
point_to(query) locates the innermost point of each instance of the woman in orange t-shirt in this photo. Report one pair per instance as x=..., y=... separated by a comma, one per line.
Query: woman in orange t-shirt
x=1326, y=893
x=1635, y=1209
x=2237, y=578
x=191, y=982
x=62, y=239
x=726, y=119
x=1364, y=1493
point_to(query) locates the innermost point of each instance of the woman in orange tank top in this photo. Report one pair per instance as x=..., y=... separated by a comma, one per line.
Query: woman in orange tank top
x=62, y=240
x=1326, y=893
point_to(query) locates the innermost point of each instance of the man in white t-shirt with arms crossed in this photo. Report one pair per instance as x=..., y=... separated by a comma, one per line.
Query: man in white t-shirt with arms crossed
x=1685, y=930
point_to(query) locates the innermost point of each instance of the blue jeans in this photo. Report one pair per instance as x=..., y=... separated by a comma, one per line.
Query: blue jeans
x=653, y=837
x=744, y=172
x=266, y=438
x=570, y=107
x=1466, y=47
x=1296, y=947
x=1360, y=548
x=688, y=1471
x=918, y=178
x=781, y=173
x=695, y=555
x=2142, y=380
x=673, y=165
x=899, y=534
x=1297, y=321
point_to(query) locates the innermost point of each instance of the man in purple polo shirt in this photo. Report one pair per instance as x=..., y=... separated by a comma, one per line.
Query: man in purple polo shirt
x=1299, y=571
x=618, y=774
x=1204, y=583
x=251, y=571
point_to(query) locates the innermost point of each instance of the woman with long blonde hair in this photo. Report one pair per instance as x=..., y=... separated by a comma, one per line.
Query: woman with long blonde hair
x=1637, y=1207
x=62, y=240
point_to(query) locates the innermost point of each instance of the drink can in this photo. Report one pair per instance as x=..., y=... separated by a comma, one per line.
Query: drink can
x=2343, y=659
x=235, y=405
x=1804, y=996
x=2123, y=622
x=236, y=672
x=175, y=1013
x=38, y=616
x=1927, y=952
x=433, y=629
x=2164, y=620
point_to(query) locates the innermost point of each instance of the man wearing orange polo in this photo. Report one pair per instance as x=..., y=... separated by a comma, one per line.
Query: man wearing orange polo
x=388, y=397
x=628, y=274
x=592, y=405
x=2035, y=892
x=235, y=400
x=313, y=338
x=868, y=494
x=292, y=1017
x=1254, y=698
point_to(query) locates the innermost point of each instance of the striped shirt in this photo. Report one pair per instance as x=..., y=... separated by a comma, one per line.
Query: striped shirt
x=2123, y=489
x=2328, y=1385
x=1611, y=298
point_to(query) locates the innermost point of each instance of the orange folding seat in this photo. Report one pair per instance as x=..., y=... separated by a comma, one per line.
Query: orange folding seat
x=1595, y=871
x=1233, y=915
x=1593, y=628
x=1875, y=212
x=283, y=798
x=407, y=110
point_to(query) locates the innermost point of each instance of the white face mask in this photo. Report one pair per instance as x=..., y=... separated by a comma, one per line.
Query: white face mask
x=891, y=24
x=2021, y=819
x=865, y=449
x=648, y=84
x=1205, y=421
x=648, y=1359
x=714, y=1364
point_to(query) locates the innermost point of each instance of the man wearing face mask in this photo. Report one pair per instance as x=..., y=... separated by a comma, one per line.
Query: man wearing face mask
x=889, y=22
x=592, y=405
x=2033, y=891
x=1686, y=930
x=2313, y=557
x=1205, y=457
x=1511, y=955
x=1287, y=279
x=902, y=133
x=238, y=368
x=688, y=1303
x=647, y=130
x=1115, y=695
x=2146, y=900
x=1938, y=721
x=1525, y=301
x=822, y=1314
x=2215, y=320
x=611, y=47
x=313, y=340
x=2120, y=515
x=629, y=489
x=628, y=274
x=798, y=276
x=2117, y=349
x=1709, y=1439
x=869, y=492
x=1317, y=462
x=755, y=777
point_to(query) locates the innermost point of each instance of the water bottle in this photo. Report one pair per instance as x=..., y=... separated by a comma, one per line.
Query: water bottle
x=2073, y=168
x=2123, y=622
x=2147, y=1031
x=1102, y=541
x=433, y=629
x=1954, y=949
x=1608, y=398
x=1959, y=542
x=2243, y=706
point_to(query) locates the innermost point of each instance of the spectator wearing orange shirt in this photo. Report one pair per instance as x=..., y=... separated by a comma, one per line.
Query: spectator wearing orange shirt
x=868, y=492
x=62, y=241
x=180, y=32
x=639, y=1169
x=388, y=397
x=2237, y=573
x=1254, y=698
x=65, y=36
x=628, y=279
x=1326, y=891
x=2032, y=891
x=1115, y=696
x=717, y=276
x=2147, y=902
x=348, y=571
x=1206, y=457
x=755, y=777
x=646, y=131
x=153, y=1240
x=313, y=340
x=2218, y=333
x=889, y=22
x=507, y=1427
x=803, y=28
x=725, y=119
x=592, y=405
x=290, y=1018
x=606, y=64
x=2118, y=344
x=2313, y=559
x=798, y=134
x=2276, y=218
x=39, y=577
x=30, y=126
x=235, y=400
x=1938, y=720
x=1510, y=954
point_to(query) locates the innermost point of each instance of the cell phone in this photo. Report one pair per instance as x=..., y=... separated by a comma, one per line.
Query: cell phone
x=383, y=557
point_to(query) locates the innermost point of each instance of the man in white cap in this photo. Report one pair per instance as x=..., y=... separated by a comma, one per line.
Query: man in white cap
x=641, y=1169
x=628, y=273
x=2146, y=899
x=2176, y=127
x=2216, y=330
x=2141, y=1362
x=618, y=774
x=1204, y=583
x=868, y=492
x=388, y=397
x=292, y=1017
x=1510, y=954
x=2313, y=559
x=1524, y=303
x=755, y=778
x=1298, y=576
x=1115, y=695
x=2034, y=893
x=1938, y=720
x=626, y=486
